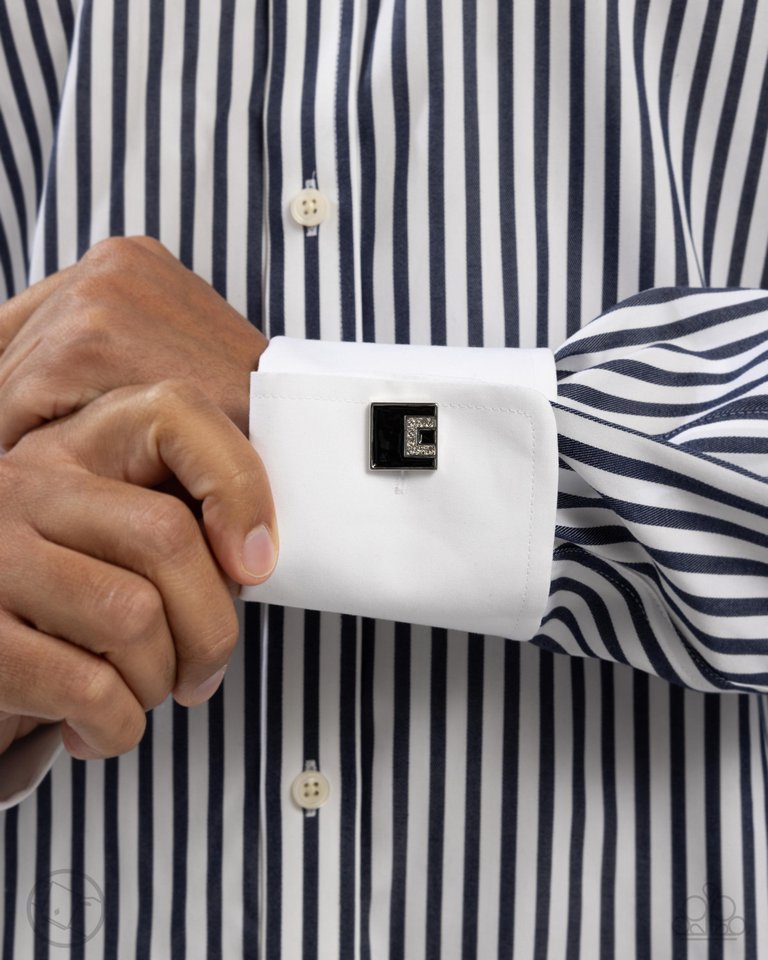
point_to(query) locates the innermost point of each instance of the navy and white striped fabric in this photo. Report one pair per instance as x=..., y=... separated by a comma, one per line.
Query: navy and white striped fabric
x=499, y=174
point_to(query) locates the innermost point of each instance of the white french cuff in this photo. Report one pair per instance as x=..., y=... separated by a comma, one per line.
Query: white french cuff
x=466, y=545
x=26, y=762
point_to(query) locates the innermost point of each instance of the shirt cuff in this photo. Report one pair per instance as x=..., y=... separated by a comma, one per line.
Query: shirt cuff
x=26, y=762
x=465, y=546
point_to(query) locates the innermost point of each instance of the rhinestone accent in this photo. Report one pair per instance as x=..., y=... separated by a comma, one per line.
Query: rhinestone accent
x=413, y=446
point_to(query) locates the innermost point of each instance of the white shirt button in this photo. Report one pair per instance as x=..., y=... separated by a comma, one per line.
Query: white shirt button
x=310, y=790
x=309, y=207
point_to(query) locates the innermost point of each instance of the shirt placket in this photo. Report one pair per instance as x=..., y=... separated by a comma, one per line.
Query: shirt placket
x=310, y=757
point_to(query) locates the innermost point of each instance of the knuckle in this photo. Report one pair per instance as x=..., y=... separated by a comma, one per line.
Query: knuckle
x=218, y=643
x=170, y=526
x=147, y=243
x=127, y=734
x=123, y=734
x=91, y=685
x=173, y=393
x=136, y=613
x=108, y=252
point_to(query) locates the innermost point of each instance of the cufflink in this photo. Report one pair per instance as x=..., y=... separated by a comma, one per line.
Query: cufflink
x=403, y=436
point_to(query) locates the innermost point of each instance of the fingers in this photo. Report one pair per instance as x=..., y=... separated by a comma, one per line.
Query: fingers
x=102, y=608
x=179, y=596
x=15, y=313
x=142, y=435
x=54, y=359
x=47, y=678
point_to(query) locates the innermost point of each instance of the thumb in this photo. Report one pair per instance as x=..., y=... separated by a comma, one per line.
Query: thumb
x=143, y=435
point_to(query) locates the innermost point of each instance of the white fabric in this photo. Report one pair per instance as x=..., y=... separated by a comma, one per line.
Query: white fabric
x=467, y=546
x=24, y=764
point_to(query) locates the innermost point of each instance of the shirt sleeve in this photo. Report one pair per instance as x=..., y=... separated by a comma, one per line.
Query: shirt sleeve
x=26, y=762
x=659, y=558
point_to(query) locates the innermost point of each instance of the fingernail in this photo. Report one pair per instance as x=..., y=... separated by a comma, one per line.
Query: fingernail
x=207, y=688
x=259, y=554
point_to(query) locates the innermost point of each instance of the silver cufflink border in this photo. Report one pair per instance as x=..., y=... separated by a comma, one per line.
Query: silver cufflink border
x=415, y=453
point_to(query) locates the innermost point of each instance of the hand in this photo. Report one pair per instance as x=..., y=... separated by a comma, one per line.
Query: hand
x=128, y=313
x=110, y=597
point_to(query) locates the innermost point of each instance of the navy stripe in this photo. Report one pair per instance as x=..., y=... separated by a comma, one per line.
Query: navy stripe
x=612, y=404
x=643, y=867
x=309, y=163
x=7, y=266
x=634, y=608
x=546, y=801
x=629, y=467
x=647, y=260
x=578, y=810
x=400, y=779
x=349, y=789
x=252, y=647
x=645, y=373
x=367, y=172
x=273, y=769
x=712, y=814
x=77, y=860
x=678, y=818
x=178, y=944
x=255, y=198
x=187, y=133
x=111, y=857
x=146, y=830
x=347, y=253
x=650, y=333
x=84, y=131
x=153, y=127
x=610, y=815
x=666, y=73
x=472, y=179
x=472, y=797
x=276, y=293
x=10, y=880
x=541, y=167
x=725, y=130
x=563, y=615
x=67, y=15
x=436, y=175
x=215, y=825
x=311, y=866
x=695, y=102
x=400, y=278
x=505, y=48
x=437, y=761
x=47, y=69
x=219, y=253
x=576, y=170
x=612, y=157
x=510, y=785
x=22, y=97
x=15, y=186
x=43, y=830
x=367, y=745
x=119, y=95
x=755, y=164
x=597, y=608
x=750, y=911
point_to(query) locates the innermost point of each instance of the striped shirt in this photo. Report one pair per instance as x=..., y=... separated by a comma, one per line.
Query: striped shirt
x=585, y=177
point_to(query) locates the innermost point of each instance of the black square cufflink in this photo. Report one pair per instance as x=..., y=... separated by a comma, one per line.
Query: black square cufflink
x=403, y=436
